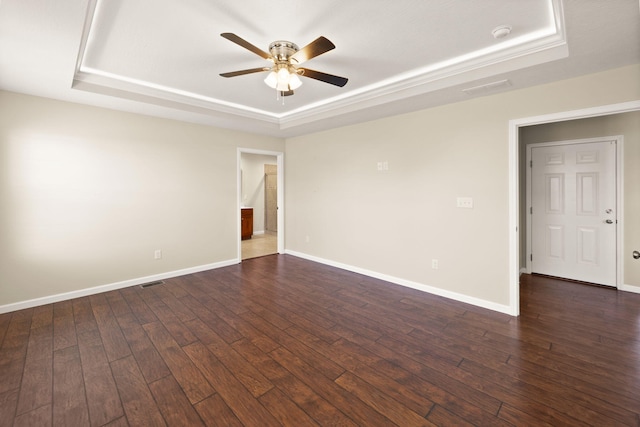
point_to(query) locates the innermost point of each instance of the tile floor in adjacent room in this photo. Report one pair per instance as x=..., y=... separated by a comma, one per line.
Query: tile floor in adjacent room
x=260, y=245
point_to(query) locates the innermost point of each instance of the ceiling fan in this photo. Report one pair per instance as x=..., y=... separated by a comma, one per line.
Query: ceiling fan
x=286, y=57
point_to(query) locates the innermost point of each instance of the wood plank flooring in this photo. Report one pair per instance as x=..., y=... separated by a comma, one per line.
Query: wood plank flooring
x=278, y=340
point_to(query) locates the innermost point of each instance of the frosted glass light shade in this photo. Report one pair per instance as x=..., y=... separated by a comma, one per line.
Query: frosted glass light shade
x=271, y=80
x=283, y=80
x=283, y=76
x=294, y=81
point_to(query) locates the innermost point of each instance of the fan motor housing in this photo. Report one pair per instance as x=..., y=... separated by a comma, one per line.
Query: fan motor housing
x=282, y=50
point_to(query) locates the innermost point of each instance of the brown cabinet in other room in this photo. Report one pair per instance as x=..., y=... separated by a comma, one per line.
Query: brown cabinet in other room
x=247, y=223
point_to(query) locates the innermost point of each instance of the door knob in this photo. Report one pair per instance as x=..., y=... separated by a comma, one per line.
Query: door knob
x=609, y=221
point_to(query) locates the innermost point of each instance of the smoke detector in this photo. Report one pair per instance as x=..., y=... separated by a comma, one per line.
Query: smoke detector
x=501, y=32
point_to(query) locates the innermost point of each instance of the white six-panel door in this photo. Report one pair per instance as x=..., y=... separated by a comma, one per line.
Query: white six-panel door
x=573, y=210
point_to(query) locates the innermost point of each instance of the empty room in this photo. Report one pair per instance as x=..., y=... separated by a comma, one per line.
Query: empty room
x=449, y=190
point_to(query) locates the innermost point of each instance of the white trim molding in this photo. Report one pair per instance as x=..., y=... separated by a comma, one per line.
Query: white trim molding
x=279, y=155
x=112, y=286
x=408, y=283
x=630, y=288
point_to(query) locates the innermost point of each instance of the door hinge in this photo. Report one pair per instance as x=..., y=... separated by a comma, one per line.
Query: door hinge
x=530, y=163
x=531, y=257
x=531, y=210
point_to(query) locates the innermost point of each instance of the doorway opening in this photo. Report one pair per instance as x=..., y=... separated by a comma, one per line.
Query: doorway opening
x=260, y=198
x=517, y=188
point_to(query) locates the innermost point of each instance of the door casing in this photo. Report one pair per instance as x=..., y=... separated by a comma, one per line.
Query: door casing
x=280, y=163
x=513, y=224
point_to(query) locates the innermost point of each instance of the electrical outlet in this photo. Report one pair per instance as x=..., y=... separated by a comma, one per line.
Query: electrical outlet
x=383, y=166
x=465, y=202
x=434, y=264
x=157, y=254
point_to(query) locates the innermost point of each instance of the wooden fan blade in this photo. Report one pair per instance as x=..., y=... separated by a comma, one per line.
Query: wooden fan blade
x=243, y=72
x=286, y=93
x=324, y=77
x=245, y=44
x=313, y=49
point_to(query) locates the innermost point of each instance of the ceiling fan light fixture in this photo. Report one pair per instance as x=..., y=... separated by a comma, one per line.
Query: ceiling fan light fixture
x=271, y=80
x=284, y=76
x=294, y=81
x=282, y=86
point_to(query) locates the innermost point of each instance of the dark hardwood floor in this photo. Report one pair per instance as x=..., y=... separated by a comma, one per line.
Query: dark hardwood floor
x=279, y=340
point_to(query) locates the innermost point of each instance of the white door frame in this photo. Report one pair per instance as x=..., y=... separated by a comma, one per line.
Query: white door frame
x=619, y=196
x=514, y=182
x=280, y=162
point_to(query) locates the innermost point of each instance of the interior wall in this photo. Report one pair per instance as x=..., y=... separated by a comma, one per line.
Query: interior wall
x=89, y=194
x=627, y=125
x=252, y=166
x=341, y=208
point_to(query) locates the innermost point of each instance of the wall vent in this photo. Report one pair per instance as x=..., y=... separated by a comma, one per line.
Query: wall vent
x=150, y=284
x=477, y=90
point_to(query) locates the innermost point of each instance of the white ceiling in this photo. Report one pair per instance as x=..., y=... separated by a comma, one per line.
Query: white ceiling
x=163, y=57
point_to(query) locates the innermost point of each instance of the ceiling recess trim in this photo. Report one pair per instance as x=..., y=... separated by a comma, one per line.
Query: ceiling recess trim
x=93, y=80
x=548, y=45
x=552, y=49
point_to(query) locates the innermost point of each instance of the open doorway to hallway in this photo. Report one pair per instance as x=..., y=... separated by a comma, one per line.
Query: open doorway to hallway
x=617, y=119
x=259, y=204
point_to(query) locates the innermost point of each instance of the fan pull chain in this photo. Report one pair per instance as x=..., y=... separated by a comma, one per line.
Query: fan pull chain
x=279, y=96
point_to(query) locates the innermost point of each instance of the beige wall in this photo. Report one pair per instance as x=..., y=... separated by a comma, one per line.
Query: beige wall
x=627, y=125
x=395, y=222
x=89, y=194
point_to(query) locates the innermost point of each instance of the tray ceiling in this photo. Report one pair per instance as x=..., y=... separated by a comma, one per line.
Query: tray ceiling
x=164, y=57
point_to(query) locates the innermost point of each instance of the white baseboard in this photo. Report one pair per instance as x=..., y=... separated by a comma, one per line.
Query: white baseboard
x=630, y=288
x=112, y=286
x=140, y=280
x=409, y=284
